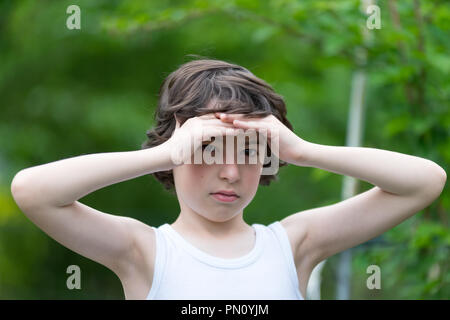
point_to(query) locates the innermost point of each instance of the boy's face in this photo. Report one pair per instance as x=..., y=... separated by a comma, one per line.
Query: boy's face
x=197, y=185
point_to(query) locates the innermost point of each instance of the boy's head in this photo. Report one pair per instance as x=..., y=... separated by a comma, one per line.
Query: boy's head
x=204, y=86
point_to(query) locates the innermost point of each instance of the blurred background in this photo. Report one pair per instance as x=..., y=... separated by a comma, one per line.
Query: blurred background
x=65, y=93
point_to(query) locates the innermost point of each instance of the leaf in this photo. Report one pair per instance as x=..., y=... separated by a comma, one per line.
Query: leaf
x=421, y=125
x=263, y=33
x=397, y=125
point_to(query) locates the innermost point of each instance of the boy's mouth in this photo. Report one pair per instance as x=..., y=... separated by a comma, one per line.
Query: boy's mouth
x=224, y=198
x=226, y=192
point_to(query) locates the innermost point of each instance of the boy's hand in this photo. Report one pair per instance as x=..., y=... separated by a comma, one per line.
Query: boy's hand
x=188, y=139
x=291, y=148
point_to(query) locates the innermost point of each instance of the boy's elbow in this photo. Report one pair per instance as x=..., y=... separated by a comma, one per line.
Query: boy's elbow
x=442, y=178
x=19, y=183
x=16, y=185
x=437, y=179
x=20, y=191
x=444, y=175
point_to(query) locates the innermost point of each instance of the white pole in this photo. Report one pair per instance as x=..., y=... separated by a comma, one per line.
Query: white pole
x=355, y=130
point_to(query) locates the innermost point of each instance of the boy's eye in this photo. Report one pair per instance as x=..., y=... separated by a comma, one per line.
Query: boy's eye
x=209, y=146
x=251, y=152
x=212, y=148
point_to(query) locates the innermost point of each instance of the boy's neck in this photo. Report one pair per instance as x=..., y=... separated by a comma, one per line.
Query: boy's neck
x=199, y=226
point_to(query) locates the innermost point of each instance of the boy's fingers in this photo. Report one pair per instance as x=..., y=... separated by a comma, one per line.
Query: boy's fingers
x=230, y=117
x=224, y=116
x=219, y=132
x=208, y=116
x=217, y=122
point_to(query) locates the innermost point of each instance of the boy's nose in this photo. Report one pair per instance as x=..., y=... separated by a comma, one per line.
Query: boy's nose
x=229, y=172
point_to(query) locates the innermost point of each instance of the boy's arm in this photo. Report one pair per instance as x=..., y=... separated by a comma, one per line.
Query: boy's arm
x=404, y=185
x=62, y=182
x=48, y=195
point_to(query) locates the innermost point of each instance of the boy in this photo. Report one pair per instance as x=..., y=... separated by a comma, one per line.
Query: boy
x=209, y=252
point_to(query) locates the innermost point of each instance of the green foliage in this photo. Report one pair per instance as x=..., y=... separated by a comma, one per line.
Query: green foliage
x=70, y=92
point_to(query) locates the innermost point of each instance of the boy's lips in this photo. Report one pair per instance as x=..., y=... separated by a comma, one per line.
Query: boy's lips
x=225, y=196
x=226, y=192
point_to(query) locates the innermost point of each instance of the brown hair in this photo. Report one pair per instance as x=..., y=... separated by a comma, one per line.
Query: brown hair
x=188, y=90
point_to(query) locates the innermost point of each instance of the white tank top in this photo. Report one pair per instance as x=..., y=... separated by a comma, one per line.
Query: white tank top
x=184, y=272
